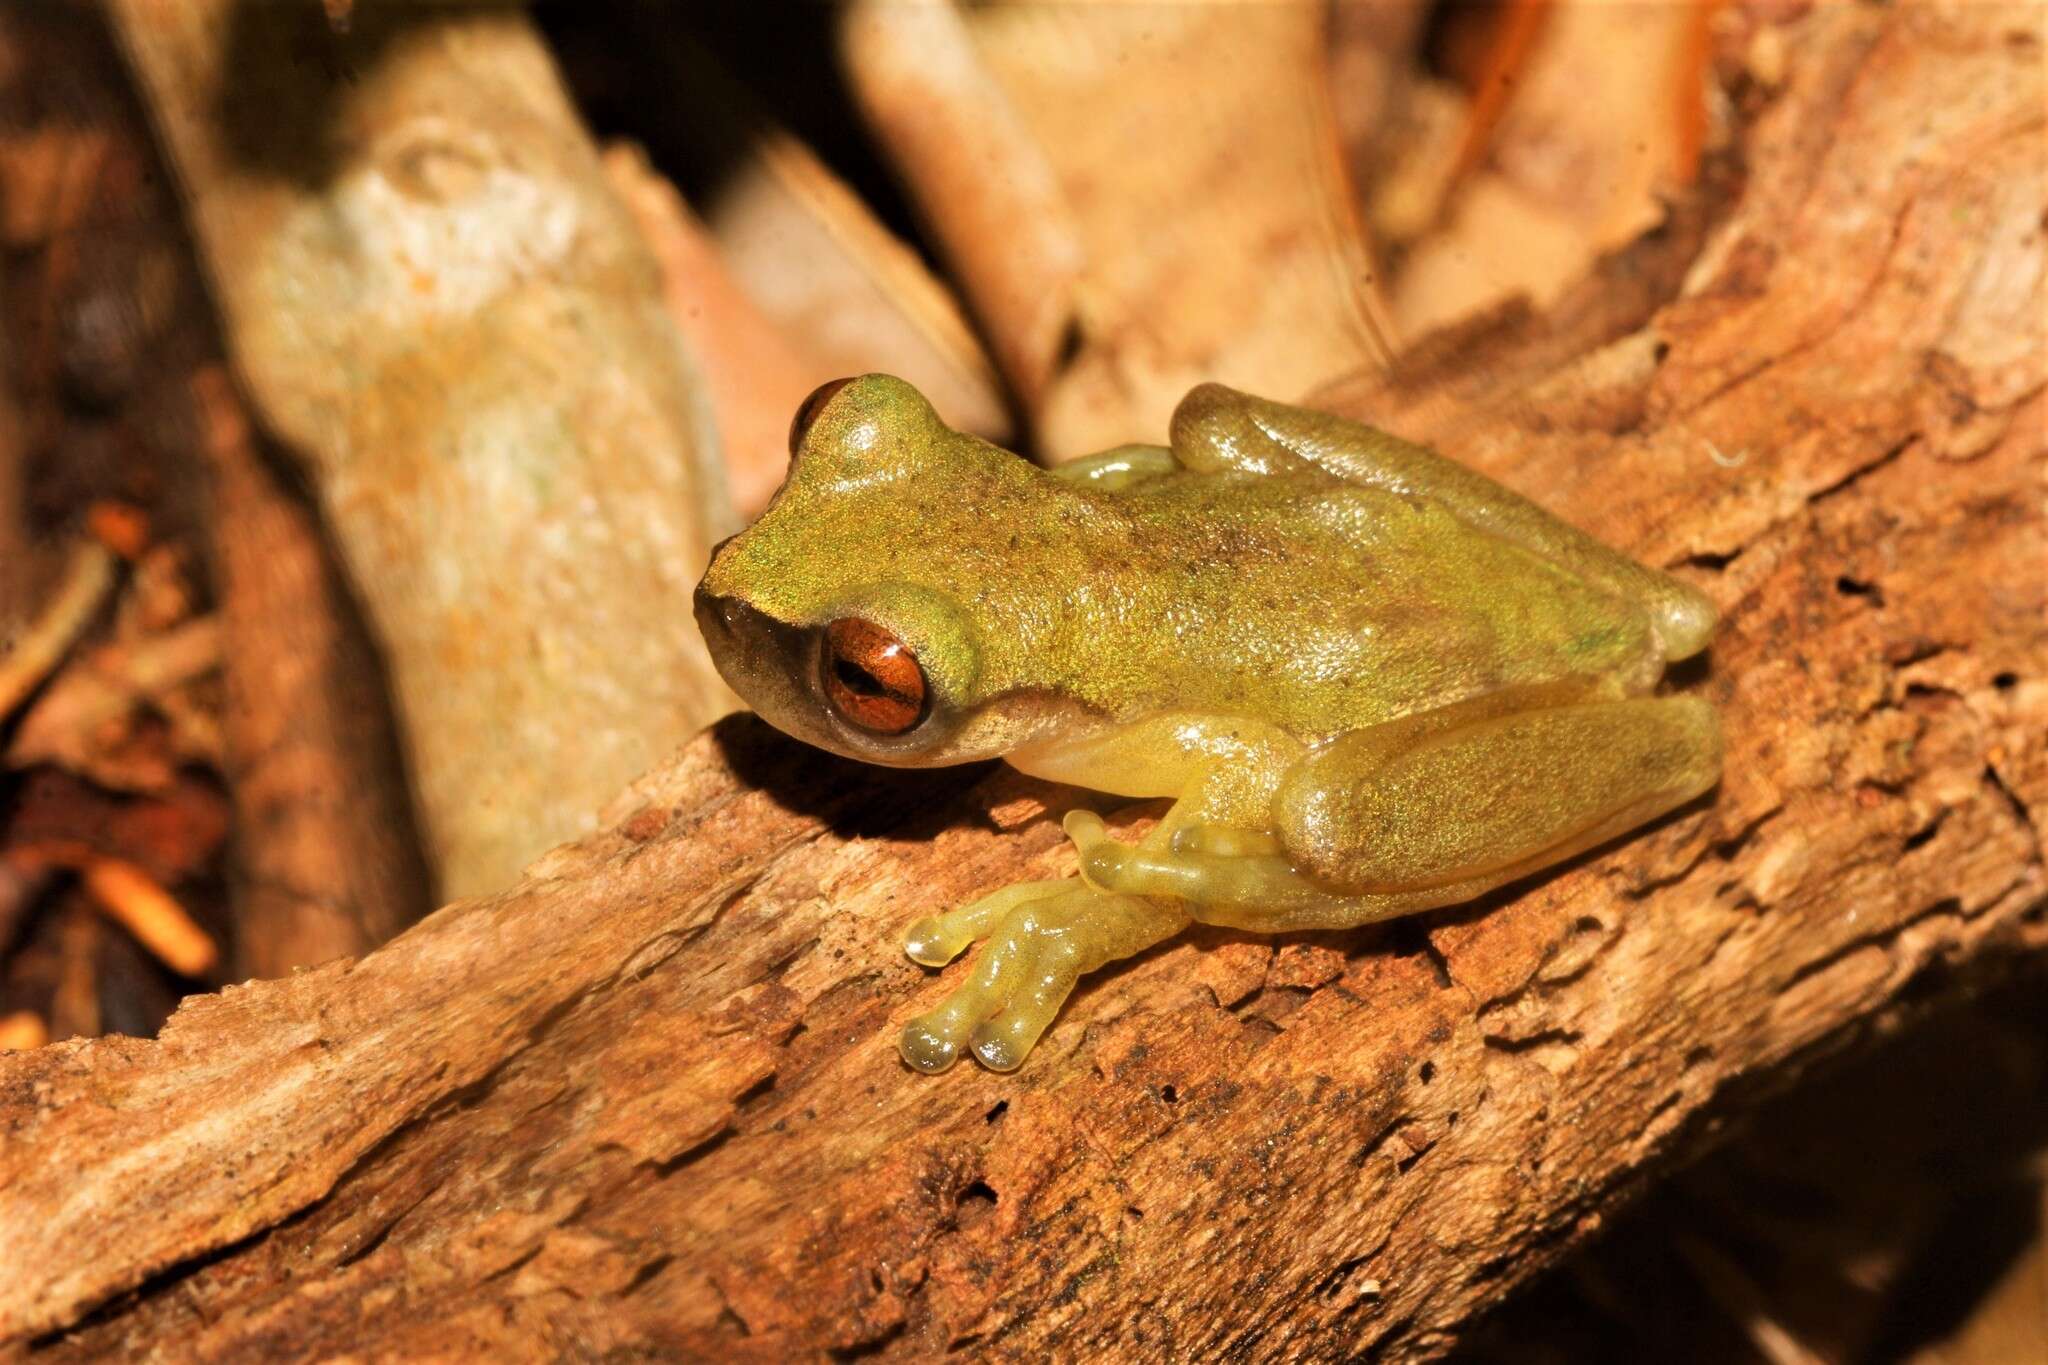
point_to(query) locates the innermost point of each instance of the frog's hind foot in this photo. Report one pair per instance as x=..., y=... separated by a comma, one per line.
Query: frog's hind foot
x=1048, y=935
x=936, y=940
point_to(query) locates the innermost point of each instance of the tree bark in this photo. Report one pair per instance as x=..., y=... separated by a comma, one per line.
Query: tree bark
x=647, y=1100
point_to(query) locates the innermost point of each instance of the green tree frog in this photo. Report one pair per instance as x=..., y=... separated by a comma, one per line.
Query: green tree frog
x=1371, y=680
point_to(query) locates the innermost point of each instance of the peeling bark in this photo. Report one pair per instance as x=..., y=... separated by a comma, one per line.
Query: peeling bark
x=647, y=1099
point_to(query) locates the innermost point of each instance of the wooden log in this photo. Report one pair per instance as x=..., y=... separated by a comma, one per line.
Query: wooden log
x=647, y=1101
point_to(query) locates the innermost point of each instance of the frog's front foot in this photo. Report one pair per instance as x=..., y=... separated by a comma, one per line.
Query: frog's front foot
x=936, y=940
x=1221, y=875
x=1042, y=937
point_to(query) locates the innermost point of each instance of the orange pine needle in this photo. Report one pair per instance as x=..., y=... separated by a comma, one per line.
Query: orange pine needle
x=22, y=1030
x=132, y=898
x=120, y=526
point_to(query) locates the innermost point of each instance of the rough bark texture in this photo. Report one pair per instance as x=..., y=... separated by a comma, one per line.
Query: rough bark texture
x=647, y=1099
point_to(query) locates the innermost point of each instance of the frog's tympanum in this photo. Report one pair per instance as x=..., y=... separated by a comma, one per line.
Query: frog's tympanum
x=1371, y=680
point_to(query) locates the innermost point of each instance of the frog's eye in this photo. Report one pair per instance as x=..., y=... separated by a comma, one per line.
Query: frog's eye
x=808, y=410
x=871, y=678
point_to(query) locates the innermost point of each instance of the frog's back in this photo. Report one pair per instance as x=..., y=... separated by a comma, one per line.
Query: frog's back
x=1323, y=605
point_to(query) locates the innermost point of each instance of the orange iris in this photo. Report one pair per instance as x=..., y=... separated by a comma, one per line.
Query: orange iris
x=871, y=678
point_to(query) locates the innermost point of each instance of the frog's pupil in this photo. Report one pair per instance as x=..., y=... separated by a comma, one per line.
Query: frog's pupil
x=858, y=679
x=870, y=677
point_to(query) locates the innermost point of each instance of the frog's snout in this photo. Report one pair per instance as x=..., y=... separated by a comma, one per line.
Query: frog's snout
x=744, y=639
x=716, y=617
x=718, y=621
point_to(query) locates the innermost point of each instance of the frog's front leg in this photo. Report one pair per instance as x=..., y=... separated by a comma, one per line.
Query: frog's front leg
x=936, y=940
x=1042, y=938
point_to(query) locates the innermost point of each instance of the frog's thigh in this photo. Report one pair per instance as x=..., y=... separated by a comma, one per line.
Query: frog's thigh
x=1487, y=802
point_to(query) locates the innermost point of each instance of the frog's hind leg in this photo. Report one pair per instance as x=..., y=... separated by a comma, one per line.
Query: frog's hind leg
x=1207, y=870
x=1217, y=427
x=1420, y=813
x=1040, y=945
x=1494, y=799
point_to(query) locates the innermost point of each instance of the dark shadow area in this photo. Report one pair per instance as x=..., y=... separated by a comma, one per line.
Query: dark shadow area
x=854, y=799
x=1689, y=674
x=1968, y=1251
x=287, y=70
x=1864, y=1215
x=696, y=84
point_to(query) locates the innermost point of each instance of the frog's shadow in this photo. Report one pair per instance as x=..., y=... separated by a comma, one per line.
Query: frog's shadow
x=1688, y=674
x=862, y=800
x=854, y=800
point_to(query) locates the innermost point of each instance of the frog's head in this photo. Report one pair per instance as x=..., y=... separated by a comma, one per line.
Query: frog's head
x=877, y=606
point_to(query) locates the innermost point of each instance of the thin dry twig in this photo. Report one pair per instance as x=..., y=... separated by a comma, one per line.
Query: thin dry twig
x=88, y=579
x=69, y=725
x=131, y=898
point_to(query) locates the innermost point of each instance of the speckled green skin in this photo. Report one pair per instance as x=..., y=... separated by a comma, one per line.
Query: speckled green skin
x=1374, y=680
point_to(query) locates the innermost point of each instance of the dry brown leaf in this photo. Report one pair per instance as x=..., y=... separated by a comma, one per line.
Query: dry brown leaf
x=1193, y=151
x=815, y=259
x=755, y=374
x=1585, y=146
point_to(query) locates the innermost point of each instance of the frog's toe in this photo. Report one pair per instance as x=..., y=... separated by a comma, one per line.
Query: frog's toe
x=932, y=1041
x=931, y=942
x=1104, y=861
x=1002, y=1043
x=1223, y=841
x=1018, y=985
x=927, y=1046
x=997, y=1047
x=936, y=940
x=1046, y=975
x=1025, y=972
